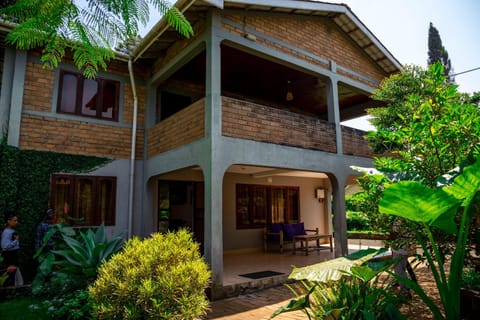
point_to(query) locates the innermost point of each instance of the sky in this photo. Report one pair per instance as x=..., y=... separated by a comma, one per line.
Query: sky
x=402, y=27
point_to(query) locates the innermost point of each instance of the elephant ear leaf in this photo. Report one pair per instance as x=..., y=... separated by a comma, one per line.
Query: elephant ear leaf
x=418, y=203
x=333, y=269
x=295, y=304
x=467, y=184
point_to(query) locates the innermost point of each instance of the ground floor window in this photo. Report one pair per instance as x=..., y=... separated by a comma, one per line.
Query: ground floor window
x=84, y=200
x=258, y=205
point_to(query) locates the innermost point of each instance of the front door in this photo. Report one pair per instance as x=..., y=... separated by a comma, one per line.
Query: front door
x=180, y=205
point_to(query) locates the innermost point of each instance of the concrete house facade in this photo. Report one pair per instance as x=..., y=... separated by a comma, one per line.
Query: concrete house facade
x=225, y=132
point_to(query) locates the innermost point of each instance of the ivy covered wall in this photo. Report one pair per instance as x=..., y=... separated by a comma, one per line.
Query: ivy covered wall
x=25, y=189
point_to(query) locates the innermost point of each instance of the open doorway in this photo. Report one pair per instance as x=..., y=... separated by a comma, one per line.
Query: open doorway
x=181, y=205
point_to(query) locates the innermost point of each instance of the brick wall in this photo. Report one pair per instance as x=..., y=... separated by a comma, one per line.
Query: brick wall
x=46, y=132
x=179, y=129
x=354, y=143
x=38, y=88
x=246, y=120
x=319, y=36
x=77, y=137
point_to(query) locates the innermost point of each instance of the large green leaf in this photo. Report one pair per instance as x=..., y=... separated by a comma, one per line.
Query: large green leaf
x=76, y=246
x=295, y=304
x=467, y=183
x=111, y=247
x=392, y=312
x=417, y=202
x=100, y=236
x=72, y=257
x=333, y=269
x=45, y=266
x=88, y=240
x=364, y=273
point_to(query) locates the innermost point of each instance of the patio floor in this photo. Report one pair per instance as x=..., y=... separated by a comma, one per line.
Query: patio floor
x=237, y=263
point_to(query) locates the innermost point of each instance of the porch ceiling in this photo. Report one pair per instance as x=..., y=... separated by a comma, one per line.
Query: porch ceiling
x=262, y=172
x=252, y=78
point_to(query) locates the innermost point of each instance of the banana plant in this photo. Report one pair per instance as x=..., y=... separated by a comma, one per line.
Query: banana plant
x=450, y=209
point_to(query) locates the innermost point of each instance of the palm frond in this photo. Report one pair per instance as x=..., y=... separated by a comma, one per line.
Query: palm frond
x=53, y=52
x=91, y=58
x=104, y=22
x=177, y=21
x=92, y=31
x=21, y=10
x=175, y=17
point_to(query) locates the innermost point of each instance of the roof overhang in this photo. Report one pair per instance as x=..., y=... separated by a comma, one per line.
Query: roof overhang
x=340, y=14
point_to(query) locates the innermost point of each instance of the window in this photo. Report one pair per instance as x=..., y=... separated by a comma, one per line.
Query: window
x=84, y=200
x=97, y=98
x=169, y=103
x=258, y=205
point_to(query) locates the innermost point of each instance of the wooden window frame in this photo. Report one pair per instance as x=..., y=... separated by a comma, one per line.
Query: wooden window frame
x=71, y=203
x=248, y=210
x=79, y=96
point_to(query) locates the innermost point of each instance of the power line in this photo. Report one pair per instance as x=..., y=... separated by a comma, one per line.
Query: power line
x=456, y=74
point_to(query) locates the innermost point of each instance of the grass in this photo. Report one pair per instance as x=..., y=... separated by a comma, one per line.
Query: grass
x=18, y=309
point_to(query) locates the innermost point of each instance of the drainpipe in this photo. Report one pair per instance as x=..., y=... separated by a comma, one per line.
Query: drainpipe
x=132, y=152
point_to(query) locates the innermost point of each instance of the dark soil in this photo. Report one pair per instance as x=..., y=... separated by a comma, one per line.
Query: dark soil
x=416, y=309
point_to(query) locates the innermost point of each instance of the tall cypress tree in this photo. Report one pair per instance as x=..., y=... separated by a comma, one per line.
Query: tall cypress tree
x=437, y=52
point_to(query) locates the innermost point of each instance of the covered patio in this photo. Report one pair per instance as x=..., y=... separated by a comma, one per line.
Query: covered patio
x=239, y=263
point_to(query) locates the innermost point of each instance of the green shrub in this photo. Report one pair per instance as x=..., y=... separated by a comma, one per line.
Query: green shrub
x=357, y=221
x=66, y=271
x=75, y=262
x=471, y=279
x=72, y=305
x=161, y=277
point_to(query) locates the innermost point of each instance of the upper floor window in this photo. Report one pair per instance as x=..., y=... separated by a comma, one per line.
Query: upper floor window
x=84, y=200
x=258, y=205
x=96, y=98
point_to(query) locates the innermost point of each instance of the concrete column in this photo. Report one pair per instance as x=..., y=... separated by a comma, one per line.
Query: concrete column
x=213, y=175
x=16, y=96
x=339, y=216
x=7, y=82
x=334, y=107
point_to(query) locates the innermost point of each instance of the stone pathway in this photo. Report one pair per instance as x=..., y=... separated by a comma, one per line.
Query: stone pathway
x=256, y=306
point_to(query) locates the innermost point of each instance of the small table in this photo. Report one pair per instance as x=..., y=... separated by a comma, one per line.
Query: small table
x=305, y=238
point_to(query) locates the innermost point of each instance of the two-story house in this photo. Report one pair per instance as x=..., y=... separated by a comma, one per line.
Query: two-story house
x=225, y=132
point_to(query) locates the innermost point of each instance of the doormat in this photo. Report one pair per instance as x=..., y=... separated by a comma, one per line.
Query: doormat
x=261, y=274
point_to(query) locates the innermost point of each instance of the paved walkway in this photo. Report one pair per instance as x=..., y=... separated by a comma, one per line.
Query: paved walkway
x=259, y=305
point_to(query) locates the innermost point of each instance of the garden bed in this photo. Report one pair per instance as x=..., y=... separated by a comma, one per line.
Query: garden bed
x=368, y=235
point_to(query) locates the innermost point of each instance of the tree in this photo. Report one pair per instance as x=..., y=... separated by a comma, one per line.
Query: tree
x=90, y=28
x=427, y=127
x=437, y=52
x=429, y=132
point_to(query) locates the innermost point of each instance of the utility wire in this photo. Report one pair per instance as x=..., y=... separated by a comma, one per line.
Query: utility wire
x=456, y=74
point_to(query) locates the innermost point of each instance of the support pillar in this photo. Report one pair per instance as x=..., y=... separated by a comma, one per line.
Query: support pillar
x=213, y=174
x=334, y=107
x=339, y=216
